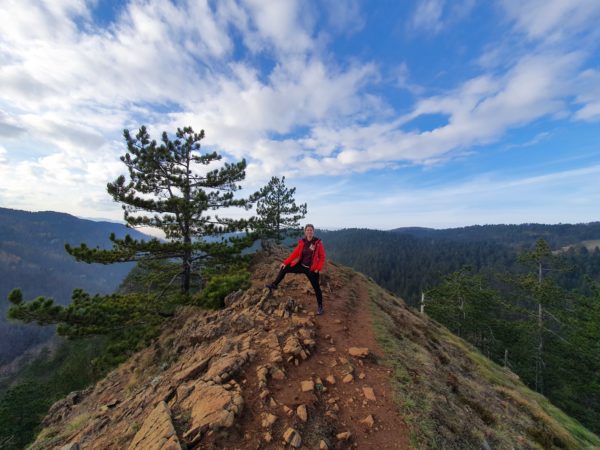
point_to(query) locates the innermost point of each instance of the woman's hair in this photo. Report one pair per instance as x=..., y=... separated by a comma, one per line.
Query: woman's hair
x=309, y=225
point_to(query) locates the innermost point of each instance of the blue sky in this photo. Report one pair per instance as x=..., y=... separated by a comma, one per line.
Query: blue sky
x=381, y=113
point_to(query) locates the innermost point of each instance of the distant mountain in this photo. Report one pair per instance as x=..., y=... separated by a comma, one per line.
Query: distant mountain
x=416, y=231
x=33, y=258
x=514, y=235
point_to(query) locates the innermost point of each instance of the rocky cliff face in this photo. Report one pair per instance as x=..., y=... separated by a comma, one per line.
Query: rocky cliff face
x=265, y=372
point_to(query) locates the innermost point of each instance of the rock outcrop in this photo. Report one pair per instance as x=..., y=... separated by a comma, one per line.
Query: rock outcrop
x=247, y=376
x=265, y=372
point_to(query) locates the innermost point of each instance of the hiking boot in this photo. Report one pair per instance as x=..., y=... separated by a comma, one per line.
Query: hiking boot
x=271, y=287
x=320, y=311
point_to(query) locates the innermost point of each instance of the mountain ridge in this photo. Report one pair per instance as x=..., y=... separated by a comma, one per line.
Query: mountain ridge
x=33, y=258
x=265, y=371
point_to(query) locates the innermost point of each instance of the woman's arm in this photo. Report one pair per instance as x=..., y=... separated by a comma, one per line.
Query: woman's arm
x=295, y=254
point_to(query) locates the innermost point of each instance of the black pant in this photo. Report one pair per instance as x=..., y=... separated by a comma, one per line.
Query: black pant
x=313, y=277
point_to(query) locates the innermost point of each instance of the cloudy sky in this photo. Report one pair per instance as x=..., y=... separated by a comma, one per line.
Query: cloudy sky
x=381, y=113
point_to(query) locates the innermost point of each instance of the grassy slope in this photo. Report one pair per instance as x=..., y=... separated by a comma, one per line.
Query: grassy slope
x=590, y=245
x=454, y=397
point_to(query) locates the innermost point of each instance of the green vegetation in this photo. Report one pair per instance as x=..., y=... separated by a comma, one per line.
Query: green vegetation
x=434, y=388
x=538, y=314
x=544, y=333
x=171, y=187
x=410, y=262
x=32, y=256
x=218, y=285
x=278, y=214
x=47, y=379
x=558, y=425
x=415, y=408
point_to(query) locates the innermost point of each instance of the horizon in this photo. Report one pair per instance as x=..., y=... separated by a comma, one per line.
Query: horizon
x=140, y=229
x=427, y=113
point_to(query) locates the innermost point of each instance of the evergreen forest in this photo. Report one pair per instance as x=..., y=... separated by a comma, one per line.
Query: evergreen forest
x=527, y=296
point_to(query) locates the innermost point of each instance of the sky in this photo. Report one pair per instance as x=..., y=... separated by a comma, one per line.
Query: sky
x=382, y=114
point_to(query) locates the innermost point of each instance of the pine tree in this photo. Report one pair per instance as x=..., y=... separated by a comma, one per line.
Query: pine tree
x=468, y=307
x=165, y=190
x=278, y=214
x=546, y=294
x=171, y=187
x=577, y=384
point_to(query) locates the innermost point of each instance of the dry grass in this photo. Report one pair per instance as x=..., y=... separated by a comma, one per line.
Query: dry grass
x=52, y=435
x=454, y=397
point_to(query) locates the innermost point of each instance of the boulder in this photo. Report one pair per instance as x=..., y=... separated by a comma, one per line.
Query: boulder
x=358, y=352
x=292, y=437
x=368, y=421
x=268, y=420
x=343, y=436
x=369, y=393
x=212, y=407
x=302, y=413
x=307, y=386
x=156, y=433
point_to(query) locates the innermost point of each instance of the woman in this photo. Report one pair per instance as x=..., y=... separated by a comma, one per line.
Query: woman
x=308, y=258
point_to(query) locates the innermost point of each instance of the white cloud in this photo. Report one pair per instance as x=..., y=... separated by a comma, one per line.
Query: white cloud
x=70, y=86
x=428, y=15
x=281, y=24
x=345, y=17
x=9, y=126
x=433, y=16
x=589, y=96
x=553, y=20
x=74, y=88
x=66, y=182
x=479, y=112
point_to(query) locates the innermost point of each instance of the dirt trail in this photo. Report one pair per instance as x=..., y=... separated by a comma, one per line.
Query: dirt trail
x=332, y=408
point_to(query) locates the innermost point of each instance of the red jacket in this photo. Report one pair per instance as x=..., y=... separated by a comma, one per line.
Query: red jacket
x=318, y=256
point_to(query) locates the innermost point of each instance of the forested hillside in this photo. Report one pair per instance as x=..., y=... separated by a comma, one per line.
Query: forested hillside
x=410, y=260
x=513, y=291
x=512, y=235
x=33, y=258
x=406, y=264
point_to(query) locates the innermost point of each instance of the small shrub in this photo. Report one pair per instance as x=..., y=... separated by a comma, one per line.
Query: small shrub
x=219, y=286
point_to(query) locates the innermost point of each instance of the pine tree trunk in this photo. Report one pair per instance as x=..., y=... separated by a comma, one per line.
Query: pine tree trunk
x=187, y=272
x=539, y=361
x=187, y=238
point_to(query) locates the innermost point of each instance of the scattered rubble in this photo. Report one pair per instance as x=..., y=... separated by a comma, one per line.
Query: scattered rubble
x=251, y=351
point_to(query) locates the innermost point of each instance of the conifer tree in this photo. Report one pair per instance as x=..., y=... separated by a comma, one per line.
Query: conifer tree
x=467, y=305
x=278, y=214
x=172, y=187
x=546, y=294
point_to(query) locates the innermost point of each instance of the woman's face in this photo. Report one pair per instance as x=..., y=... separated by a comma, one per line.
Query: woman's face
x=309, y=232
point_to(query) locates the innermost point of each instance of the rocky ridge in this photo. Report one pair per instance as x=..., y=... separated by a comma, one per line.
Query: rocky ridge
x=264, y=372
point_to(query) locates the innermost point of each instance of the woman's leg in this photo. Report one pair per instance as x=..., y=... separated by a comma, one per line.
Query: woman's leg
x=283, y=272
x=313, y=277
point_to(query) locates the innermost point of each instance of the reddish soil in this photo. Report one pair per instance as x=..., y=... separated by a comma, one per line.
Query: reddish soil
x=347, y=323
